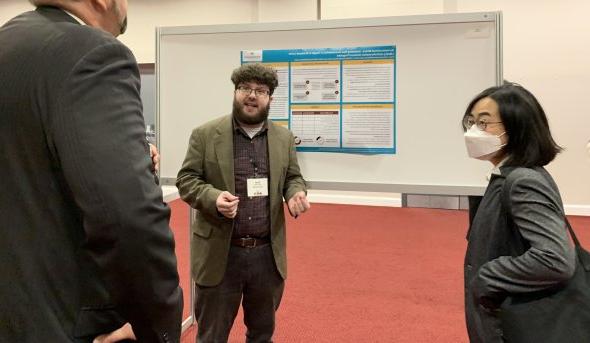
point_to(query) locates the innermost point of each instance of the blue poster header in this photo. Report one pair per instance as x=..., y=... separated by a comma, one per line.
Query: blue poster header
x=353, y=53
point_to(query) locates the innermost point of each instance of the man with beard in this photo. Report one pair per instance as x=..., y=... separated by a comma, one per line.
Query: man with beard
x=237, y=170
x=85, y=245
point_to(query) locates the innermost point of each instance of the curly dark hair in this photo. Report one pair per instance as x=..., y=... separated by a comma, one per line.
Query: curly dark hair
x=255, y=72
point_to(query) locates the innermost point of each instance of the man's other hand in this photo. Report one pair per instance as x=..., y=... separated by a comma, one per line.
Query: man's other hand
x=298, y=204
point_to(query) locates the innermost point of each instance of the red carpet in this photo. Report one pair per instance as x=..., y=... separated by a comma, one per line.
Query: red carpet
x=372, y=274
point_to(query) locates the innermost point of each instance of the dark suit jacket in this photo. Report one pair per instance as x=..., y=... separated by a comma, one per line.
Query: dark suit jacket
x=208, y=169
x=515, y=249
x=84, y=243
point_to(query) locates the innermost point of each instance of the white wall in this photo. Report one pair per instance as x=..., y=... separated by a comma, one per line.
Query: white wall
x=338, y=9
x=11, y=8
x=545, y=49
x=287, y=10
x=145, y=15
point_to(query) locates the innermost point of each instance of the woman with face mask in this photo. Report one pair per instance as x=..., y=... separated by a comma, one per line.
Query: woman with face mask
x=518, y=242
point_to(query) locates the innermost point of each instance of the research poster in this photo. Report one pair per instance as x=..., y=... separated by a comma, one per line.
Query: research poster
x=335, y=99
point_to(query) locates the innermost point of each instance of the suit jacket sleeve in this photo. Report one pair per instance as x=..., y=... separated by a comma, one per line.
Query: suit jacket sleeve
x=191, y=180
x=294, y=182
x=99, y=138
x=535, y=208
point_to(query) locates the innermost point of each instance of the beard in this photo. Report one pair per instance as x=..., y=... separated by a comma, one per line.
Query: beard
x=244, y=118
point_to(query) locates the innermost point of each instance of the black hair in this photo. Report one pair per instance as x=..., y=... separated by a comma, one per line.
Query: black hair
x=255, y=72
x=530, y=143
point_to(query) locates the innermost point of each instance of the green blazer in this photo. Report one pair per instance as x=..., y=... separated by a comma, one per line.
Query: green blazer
x=208, y=169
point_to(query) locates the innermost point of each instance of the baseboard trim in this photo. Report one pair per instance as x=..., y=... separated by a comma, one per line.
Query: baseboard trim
x=348, y=199
x=170, y=193
x=577, y=210
x=395, y=201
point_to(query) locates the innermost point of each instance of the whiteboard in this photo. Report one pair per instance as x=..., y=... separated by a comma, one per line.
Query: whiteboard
x=442, y=62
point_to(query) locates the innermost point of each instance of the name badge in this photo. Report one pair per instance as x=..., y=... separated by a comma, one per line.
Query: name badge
x=258, y=187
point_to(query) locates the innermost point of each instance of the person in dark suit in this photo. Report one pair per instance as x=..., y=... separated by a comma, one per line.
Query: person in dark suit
x=85, y=245
x=518, y=243
x=237, y=171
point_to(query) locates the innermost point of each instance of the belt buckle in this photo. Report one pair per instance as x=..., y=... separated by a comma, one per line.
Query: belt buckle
x=245, y=241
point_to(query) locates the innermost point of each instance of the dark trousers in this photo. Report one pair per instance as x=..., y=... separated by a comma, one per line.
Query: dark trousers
x=251, y=278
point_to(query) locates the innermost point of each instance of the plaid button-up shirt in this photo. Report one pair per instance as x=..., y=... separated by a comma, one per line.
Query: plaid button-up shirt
x=251, y=161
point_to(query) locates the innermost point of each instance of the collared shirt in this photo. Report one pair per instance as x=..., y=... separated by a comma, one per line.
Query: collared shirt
x=251, y=161
x=496, y=169
x=75, y=17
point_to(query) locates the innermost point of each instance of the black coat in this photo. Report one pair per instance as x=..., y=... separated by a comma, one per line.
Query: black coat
x=85, y=243
x=512, y=250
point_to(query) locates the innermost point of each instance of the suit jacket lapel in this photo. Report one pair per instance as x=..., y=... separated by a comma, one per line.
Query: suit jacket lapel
x=224, y=150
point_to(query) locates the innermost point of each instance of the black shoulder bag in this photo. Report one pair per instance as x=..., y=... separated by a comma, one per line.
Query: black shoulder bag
x=557, y=315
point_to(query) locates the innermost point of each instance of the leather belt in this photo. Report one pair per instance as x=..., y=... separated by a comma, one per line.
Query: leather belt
x=249, y=242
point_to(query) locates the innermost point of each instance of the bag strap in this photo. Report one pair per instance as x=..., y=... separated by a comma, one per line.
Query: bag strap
x=510, y=178
x=572, y=233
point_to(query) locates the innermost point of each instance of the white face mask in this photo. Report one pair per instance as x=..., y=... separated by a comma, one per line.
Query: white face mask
x=482, y=145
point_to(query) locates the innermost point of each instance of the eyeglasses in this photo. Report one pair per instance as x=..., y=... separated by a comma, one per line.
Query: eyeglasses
x=481, y=124
x=258, y=92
